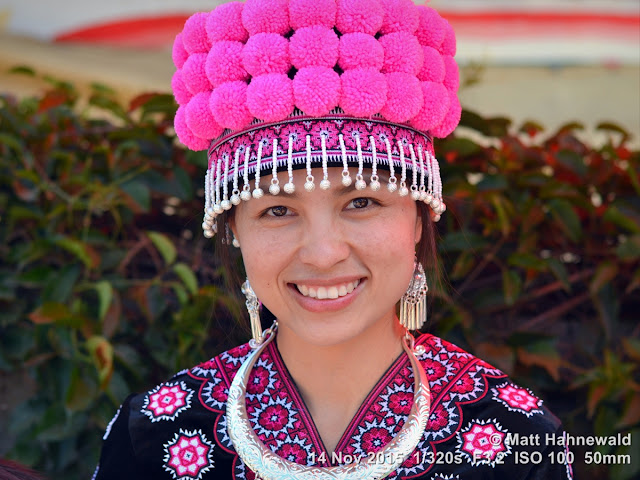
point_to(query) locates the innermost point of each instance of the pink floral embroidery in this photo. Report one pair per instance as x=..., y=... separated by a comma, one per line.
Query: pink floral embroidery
x=483, y=442
x=517, y=399
x=375, y=439
x=167, y=401
x=188, y=455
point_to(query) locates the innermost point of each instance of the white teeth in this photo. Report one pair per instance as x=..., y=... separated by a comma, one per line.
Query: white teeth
x=332, y=292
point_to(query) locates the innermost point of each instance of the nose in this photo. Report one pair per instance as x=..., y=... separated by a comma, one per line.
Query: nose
x=324, y=243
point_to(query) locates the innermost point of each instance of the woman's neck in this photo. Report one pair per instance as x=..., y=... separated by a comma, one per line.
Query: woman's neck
x=335, y=380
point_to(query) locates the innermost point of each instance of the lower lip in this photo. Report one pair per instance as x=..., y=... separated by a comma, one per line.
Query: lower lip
x=328, y=304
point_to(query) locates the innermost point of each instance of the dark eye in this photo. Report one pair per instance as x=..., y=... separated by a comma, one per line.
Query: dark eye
x=278, y=211
x=360, y=202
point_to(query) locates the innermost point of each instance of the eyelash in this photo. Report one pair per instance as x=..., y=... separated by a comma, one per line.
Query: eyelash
x=271, y=210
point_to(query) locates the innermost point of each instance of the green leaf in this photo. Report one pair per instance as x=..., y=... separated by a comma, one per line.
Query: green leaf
x=605, y=272
x=560, y=272
x=511, y=286
x=23, y=70
x=623, y=216
x=51, y=312
x=81, y=250
x=572, y=160
x=566, y=217
x=629, y=249
x=105, y=296
x=187, y=276
x=164, y=246
x=527, y=261
x=139, y=192
x=461, y=241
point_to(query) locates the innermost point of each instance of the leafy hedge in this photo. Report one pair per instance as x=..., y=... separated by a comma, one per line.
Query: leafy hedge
x=107, y=285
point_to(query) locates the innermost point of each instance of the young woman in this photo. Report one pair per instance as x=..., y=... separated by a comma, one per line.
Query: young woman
x=319, y=117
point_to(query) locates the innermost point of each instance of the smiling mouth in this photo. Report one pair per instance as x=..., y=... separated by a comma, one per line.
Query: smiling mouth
x=332, y=292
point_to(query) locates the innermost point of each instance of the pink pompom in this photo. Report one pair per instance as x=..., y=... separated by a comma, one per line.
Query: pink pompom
x=315, y=46
x=452, y=74
x=435, y=107
x=364, y=16
x=180, y=90
x=431, y=29
x=224, y=63
x=404, y=97
x=178, y=53
x=402, y=53
x=200, y=119
x=266, y=16
x=225, y=23
x=360, y=50
x=185, y=135
x=433, y=69
x=270, y=97
x=229, y=105
x=451, y=120
x=194, y=34
x=364, y=92
x=194, y=73
x=266, y=53
x=306, y=13
x=449, y=45
x=399, y=16
x=316, y=90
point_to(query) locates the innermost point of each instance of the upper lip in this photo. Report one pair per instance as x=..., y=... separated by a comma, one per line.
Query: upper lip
x=329, y=282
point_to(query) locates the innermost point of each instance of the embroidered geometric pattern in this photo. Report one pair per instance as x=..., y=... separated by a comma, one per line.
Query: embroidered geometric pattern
x=280, y=420
x=167, y=401
x=188, y=455
x=483, y=442
x=517, y=399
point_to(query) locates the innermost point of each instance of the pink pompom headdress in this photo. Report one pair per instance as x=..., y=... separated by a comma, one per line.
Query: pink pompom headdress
x=268, y=86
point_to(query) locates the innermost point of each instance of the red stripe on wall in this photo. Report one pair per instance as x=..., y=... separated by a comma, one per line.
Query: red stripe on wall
x=159, y=31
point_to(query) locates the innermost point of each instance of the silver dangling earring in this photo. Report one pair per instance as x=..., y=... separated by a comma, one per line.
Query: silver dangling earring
x=235, y=242
x=413, y=304
x=253, y=306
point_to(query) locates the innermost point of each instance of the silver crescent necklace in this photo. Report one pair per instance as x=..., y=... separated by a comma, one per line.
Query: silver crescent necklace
x=269, y=466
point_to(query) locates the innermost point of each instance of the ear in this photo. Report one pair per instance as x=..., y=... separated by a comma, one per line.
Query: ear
x=418, y=230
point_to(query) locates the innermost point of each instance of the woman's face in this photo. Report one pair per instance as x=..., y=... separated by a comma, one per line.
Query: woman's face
x=329, y=264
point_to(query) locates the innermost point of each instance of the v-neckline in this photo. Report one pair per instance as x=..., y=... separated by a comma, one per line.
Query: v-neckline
x=391, y=372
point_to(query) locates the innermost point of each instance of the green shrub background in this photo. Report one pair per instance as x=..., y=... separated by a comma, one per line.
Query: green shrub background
x=107, y=285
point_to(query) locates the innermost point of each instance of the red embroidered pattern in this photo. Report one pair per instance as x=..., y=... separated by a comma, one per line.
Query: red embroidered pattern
x=517, y=399
x=188, y=455
x=483, y=442
x=167, y=401
x=280, y=419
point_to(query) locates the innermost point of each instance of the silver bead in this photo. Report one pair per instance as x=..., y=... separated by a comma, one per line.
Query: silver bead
x=435, y=203
x=375, y=185
x=392, y=187
x=258, y=193
x=289, y=188
x=208, y=233
x=436, y=218
x=428, y=198
x=274, y=189
x=309, y=186
x=404, y=191
x=361, y=184
x=415, y=195
x=218, y=208
x=235, y=199
x=346, y=180
x=226, y=205
x=423, y=195
x=235, y=242
x=245, y=195
x=325, y=184
x=205, y=226
x=210, y=212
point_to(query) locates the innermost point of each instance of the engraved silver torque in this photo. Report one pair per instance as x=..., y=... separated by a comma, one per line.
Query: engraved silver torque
x=269, y=466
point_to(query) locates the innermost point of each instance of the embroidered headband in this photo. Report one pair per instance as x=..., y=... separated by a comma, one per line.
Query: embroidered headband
x=269, y=86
